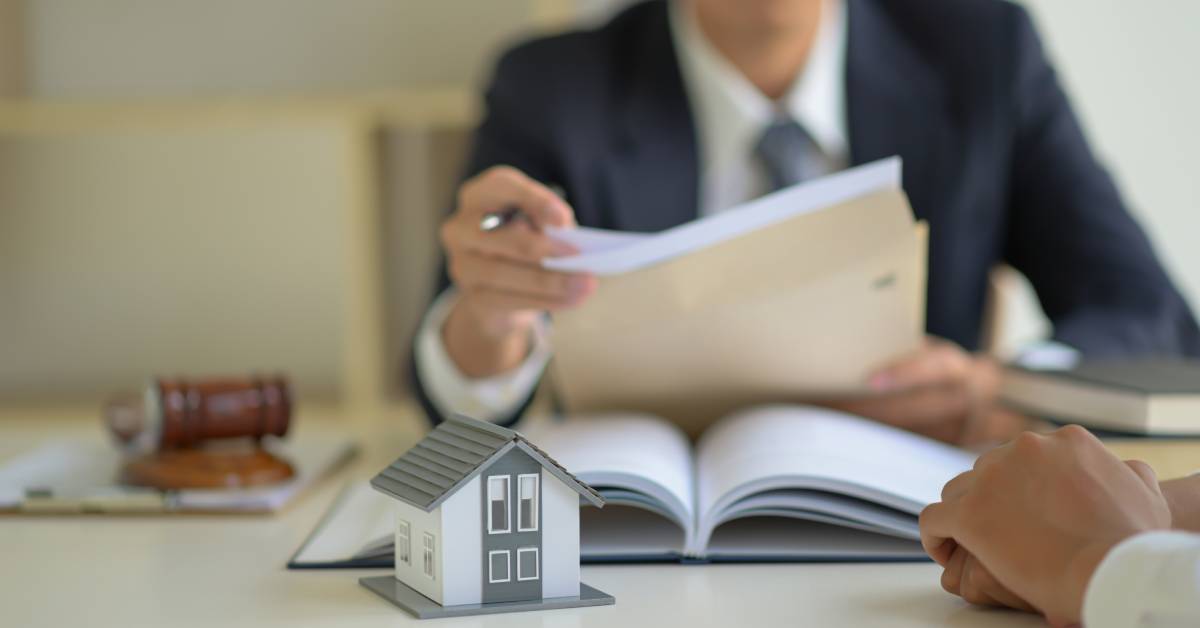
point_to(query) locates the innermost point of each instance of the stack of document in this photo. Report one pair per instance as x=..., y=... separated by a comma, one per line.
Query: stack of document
x=797, y=294
x=81, y=476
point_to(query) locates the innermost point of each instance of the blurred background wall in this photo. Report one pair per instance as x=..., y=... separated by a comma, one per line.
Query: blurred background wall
x=379, y=95
x=167, y=48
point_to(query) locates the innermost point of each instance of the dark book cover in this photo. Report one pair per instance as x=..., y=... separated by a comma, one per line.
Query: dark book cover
x=1145, y=376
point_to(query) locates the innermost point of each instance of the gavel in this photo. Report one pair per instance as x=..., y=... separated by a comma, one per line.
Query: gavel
x=172, y=434
x=179, y=413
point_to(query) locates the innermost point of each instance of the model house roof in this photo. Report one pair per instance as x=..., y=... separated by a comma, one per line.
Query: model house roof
x=453, y=453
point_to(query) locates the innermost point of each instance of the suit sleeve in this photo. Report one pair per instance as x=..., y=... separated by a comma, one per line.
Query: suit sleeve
x=514, y=132
x=1093, y=268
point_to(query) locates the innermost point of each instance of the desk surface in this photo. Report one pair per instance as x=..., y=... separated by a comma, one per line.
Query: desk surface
x=188, y=570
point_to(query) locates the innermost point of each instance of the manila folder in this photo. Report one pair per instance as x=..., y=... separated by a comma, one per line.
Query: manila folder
x=800, y=309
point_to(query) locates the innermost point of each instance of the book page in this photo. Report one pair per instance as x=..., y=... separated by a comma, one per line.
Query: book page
x=612, y=253
x=786, y=448
x=360, y=521
x=617, y=453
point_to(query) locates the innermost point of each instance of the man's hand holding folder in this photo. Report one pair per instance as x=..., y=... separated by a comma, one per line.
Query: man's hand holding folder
x=819, y=303
x=940, y=391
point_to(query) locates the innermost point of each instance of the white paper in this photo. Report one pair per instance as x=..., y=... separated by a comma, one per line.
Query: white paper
x=85, y=473
x=67, y=469
x=613, y=252
x=588, y=240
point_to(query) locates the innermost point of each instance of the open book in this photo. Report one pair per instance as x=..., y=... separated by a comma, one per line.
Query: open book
x=772, y=483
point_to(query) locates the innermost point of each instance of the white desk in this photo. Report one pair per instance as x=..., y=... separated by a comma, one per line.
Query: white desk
x=186, y=570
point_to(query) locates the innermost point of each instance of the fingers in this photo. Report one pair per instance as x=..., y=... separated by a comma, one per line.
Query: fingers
x=913, y=409
x=500, y=271
x=473, y=273
x=979, y=586
x=502, y=187
x=516, y=243
x=939, y=362
x=937, y=532
x=966, y=577
x=952, y=575
x=958, y=485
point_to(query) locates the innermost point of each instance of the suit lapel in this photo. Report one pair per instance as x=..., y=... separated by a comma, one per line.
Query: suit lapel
x=895, y=106
x=895, y=102
x=652, y=173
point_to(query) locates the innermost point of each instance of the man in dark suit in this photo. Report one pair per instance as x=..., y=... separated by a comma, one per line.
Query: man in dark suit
x=672, y=111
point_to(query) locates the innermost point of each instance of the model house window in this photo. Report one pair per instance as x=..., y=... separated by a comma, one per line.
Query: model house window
x=527, y=563
x=499, y=566
x=428, y=554
x=498, y=490
x=527, y=502
x=403, y=544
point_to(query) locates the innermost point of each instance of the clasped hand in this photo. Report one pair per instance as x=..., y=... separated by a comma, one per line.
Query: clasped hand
x=1028, y=526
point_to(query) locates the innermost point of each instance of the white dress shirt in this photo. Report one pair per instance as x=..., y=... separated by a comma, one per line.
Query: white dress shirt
x=730, y=115
x=1151, y=580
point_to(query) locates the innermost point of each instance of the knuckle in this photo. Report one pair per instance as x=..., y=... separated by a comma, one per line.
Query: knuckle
x=502, y=173
x=1140, y=466
x=1075, y=434
x=1027, y=443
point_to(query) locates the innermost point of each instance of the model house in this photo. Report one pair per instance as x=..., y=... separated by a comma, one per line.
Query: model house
x=483, y=516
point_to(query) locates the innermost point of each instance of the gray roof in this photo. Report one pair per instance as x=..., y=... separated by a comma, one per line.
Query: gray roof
x=453, y=453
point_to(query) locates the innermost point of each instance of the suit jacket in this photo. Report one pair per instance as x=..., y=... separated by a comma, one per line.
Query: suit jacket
x=994, y=159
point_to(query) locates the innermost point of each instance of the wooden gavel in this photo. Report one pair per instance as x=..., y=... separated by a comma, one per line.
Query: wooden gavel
x=182, y=413
x=166, y=432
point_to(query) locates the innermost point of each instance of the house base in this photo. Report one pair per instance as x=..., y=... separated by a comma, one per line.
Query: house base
x=421, y=607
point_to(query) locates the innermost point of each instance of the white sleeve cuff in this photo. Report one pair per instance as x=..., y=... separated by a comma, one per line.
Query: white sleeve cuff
x=1152, y=579
x=491, y=398
x=1048, y=355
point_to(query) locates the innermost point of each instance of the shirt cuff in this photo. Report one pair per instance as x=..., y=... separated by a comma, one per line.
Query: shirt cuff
x=491, y=398
x=1144, y=580
x=1048, y=355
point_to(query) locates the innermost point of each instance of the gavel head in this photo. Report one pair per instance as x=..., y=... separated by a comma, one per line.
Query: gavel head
x=179, y=413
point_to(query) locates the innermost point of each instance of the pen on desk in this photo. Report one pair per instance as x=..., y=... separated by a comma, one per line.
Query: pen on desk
x=492, y=221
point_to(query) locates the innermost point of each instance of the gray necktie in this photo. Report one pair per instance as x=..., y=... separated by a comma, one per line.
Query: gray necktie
x=787, y=153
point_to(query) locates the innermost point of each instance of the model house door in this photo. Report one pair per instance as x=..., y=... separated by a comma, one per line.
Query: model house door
x=512, y=529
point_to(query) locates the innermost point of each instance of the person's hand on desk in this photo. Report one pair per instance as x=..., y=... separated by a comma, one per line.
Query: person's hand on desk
x=1028, y=526
x=501, y=284
x=940, y=391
